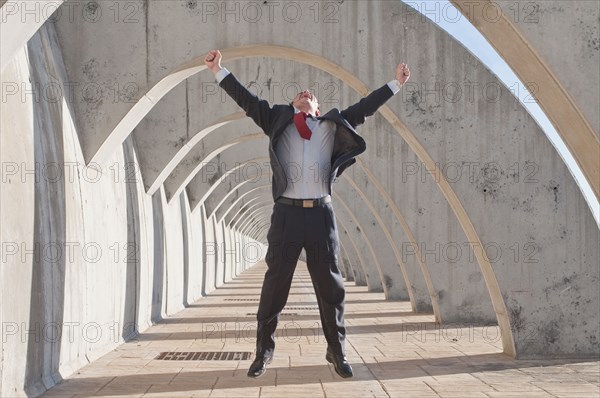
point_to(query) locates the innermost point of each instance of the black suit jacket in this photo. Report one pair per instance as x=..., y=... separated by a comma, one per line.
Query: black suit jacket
x=273, y=121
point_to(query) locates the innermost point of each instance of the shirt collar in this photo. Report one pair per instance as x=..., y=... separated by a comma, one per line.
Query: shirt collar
x=296, y=110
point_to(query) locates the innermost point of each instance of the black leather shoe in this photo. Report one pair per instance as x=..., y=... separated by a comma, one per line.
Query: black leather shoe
x=259, y=366
x=340, y=363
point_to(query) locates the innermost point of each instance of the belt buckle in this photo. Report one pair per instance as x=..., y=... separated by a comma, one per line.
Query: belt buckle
x=308, y=203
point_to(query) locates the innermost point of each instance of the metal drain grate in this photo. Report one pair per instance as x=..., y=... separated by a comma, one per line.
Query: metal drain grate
x=282, y=314
x=253, y=299
x=204, y=356
x=302, y=308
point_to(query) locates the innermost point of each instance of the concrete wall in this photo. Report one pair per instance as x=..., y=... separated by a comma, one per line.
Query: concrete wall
x=554, y=48
x=88, y=257
x=514, y=193
x=448, y=171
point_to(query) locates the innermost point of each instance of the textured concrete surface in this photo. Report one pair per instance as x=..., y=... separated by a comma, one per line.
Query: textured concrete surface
x=88, y=258
x=491, y=135
x=20, y=21
x=560, y=73
x=131, y=230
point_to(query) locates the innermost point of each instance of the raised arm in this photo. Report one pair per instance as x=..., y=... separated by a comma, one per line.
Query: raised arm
x=357, y=113
x=257, y=109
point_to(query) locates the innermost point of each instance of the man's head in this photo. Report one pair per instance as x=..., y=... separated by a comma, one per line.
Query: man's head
x=305, y=101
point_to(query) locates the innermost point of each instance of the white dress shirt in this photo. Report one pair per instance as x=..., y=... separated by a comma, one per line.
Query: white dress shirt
x=307, y=163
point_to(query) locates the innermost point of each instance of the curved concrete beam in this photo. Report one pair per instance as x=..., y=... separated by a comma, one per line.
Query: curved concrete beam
x=252, y=218
x=550, y=91
x=390, y=274
x=360, y=273
x=258, y=218
x=173, y=182
x=258, y=229
x=366, y=278
x=386, y=233
x=154, y=181
x=227, y=167
x=416, y=146
x=433, y=295
x=359, y=236
x=512, y=212
x=126, y=125
x=245, y=218
x=231, y=156
x=225, y=195
x=20, y=21
x=256, y=198
x=251, y=211
x=371, y=179
x=241, y=205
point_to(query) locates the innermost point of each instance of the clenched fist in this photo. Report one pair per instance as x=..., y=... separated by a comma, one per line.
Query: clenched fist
x=402, y=73
x=213, y=61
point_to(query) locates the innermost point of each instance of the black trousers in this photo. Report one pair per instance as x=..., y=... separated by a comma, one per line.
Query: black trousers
x=314, y=229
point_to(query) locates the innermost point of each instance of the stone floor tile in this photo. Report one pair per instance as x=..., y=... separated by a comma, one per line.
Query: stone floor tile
x=504, y=394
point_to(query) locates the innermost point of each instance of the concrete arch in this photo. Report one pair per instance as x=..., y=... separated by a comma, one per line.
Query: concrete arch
x=241, y=203
x=415, y=145
x=257, y=202
x=210, y=175
x=238, y=207
x=179, y=186
x=20, y=22
x=386, y=254
x=534, y=63
x=233, y=157
x=386, y=232
x=251, y=212
x=433, y=295
x=230, y=157
x=360, y=277
x=388, y=273
x=258, y=230
x=255, y=219
x=381, y=287
x=258, y=198
x=255, y=230
x=155, y=181
x=225, y=194
x=527, y=303
x=196, y=65
x=242, y=221
x=381, y=272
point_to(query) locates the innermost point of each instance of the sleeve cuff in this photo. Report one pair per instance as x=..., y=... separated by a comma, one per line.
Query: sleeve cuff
x=394, y=85
x=222, y=74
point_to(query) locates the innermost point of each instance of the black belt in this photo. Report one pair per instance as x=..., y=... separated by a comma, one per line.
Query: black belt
x=304, y=202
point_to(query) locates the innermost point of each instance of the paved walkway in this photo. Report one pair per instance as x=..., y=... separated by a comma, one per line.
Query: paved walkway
x=394, y=353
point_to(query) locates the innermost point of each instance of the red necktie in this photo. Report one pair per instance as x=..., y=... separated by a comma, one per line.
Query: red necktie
x=300, y=122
